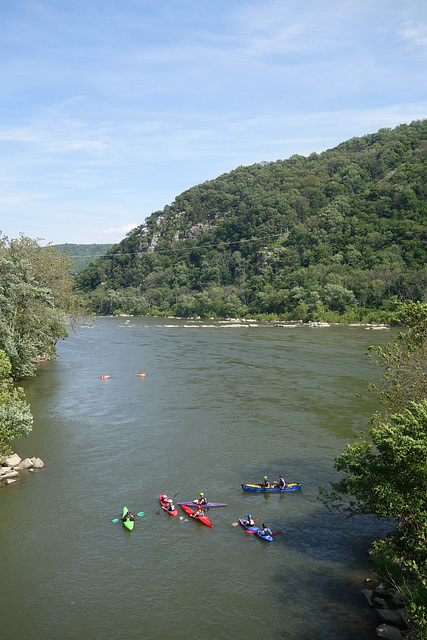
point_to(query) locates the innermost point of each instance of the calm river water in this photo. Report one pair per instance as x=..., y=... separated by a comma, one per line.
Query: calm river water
x=219, y=405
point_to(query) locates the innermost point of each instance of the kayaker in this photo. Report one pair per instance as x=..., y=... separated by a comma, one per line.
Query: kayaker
x=280, y=482
x=250, y=522
x=170, y=505
x=165, y=499
x=199, y=512
x=202, y=500
x=266, y=482
x=265, y=531
x=128, y=516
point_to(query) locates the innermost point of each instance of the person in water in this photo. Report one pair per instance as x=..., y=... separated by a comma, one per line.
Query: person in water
x=250, y=522
x=266, y=483
x=202, y=500
x=265, y=531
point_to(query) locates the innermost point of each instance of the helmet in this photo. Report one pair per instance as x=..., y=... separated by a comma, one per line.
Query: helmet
x=264, y=525
x=249, y=517
x=202, y=494
x=164, y=496
x=265, y=478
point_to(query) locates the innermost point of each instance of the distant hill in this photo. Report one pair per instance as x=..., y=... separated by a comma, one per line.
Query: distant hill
x=84, y=254
x=336, y=235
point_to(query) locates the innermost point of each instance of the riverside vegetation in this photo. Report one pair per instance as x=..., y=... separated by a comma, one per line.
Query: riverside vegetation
x=336, y=236
x=37, y=304
x=385, y=471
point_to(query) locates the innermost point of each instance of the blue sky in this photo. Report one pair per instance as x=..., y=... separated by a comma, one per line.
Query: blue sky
x=109, y=110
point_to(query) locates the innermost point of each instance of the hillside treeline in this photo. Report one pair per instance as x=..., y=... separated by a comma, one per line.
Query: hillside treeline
x=336, y=235
x=83, y=254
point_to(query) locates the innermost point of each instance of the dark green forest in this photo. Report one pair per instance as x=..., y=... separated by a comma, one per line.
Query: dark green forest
x=339, y=235
x=83, y=254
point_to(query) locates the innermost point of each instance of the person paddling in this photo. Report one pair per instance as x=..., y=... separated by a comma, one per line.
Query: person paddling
x=128, y=516
x=170, y=505
x=265, y=531
x=202, y=500
x=199, y=513
x=266, y=483
x=280, y=482
x=250, y=522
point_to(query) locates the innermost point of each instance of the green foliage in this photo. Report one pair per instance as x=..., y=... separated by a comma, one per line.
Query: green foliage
x=405, y=360
x=385, y=471
x=387, y=477
x=83, y=254
x=30, y=321
x=346, y=225
x=15, y=415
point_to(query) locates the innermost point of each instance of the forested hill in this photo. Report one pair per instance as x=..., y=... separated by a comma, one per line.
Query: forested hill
x=336, y=235
x=83, y=254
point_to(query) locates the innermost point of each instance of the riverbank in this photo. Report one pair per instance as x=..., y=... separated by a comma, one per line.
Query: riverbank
x=13, y=465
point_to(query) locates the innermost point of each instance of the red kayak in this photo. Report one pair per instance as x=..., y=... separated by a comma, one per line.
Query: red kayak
x=163, y=499
x=191, y=513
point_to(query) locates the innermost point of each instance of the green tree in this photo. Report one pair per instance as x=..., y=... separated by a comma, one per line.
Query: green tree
x=385, y=471
x=15, y=415
x=386, y=475
x=404, y=360
x=30, y=324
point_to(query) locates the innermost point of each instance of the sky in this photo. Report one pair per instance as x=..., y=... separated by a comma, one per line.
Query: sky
x=109, y=110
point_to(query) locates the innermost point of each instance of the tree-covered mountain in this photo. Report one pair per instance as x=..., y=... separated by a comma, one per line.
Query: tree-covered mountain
x=341, y=234
x=83, y=254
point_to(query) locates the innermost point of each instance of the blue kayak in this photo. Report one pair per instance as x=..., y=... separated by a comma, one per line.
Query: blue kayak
x=254, y=529
x=294, y=486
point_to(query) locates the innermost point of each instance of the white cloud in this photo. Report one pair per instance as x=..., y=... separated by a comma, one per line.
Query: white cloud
x=417, y=34
x=118, y=231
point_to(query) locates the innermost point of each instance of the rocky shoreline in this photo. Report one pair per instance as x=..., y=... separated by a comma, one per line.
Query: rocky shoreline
x=388, y=603
x=13, y=464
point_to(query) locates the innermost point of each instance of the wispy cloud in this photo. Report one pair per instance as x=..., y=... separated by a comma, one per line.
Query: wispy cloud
x=416, y=34
x=107, y=115
x=117, y=232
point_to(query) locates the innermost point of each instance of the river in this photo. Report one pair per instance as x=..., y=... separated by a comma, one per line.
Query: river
x=220, y=404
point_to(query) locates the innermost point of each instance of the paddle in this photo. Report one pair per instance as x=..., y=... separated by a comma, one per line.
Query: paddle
x=234, y=524
x=141, y=513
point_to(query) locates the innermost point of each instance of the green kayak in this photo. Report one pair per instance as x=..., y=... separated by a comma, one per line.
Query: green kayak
x=128, y=523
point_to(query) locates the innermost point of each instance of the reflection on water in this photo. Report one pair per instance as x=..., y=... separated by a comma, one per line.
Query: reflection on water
x=218, y=406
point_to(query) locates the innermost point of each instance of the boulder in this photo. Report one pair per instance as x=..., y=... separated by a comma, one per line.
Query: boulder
x=11, y=474
x=388, y=632
x=391, y=615
x=383, y=591
x=368, y=595
x=13, y=460
x=4, y=470
x=37, y=463
x=24, y=464
x=10, y=480
x=379, y=602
